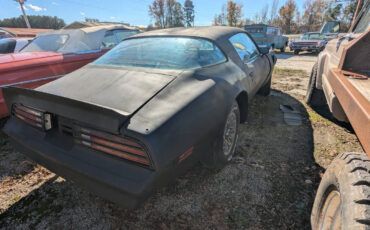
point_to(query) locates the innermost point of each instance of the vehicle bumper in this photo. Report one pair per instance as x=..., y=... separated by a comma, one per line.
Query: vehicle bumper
x=109, y=177
x=307, y=48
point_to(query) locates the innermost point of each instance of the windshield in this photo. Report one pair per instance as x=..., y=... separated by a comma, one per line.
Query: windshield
x=47, y=43
x=330, y=27
x=255, y=30
x=313, y=37
x=163, y=53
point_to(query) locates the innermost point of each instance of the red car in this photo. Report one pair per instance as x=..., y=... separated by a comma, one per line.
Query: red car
x=53, y=54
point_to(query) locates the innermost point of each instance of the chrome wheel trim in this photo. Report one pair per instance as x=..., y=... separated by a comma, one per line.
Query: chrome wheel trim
x=230, y=132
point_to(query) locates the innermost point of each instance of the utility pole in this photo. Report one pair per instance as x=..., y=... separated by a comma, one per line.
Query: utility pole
x=21, y=2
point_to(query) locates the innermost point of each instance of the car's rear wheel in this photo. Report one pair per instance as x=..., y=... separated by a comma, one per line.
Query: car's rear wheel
x=265, y=89
x=224, y=147
x=296, y=52
x=314, y=96
x=343, y=197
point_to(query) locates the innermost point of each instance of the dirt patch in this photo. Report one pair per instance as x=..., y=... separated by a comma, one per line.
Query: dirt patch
x=270, y=183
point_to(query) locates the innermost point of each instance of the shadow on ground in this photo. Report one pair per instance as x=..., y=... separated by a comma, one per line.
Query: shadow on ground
x=270, y=184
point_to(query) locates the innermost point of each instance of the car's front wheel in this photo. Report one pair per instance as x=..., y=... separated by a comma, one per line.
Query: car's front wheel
x=343, y=198
x=224, y=146
x=265, y=89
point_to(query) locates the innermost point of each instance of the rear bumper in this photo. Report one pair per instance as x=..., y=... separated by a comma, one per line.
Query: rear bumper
x=109, y=177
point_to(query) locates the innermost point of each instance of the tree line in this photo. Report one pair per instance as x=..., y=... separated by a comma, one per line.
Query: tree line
x=36, y=21
x=170, y=13
x=288, y=17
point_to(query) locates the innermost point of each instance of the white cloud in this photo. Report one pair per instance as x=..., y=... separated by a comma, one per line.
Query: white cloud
x=55, y=3
x=112, y=17
x=36, y=8
x=24, y=7
x=82, y=13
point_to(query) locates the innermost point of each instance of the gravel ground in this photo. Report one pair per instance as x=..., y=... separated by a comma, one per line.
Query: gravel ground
x=270, y=183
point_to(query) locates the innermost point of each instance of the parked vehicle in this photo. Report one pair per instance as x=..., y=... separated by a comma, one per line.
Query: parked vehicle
x=267, y=36
x=311, y=42
x=341, y=79
x=13, y=45
x=53, y=54
x=140, y=115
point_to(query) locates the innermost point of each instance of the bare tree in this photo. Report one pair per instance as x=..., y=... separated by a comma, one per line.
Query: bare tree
x=21, y=2
x=264, y=13
x=287, y=13
x=167, y=13
x=220, y=19
x=274, y=9
x=234, y=13
x=313, y=15
x=157, y=11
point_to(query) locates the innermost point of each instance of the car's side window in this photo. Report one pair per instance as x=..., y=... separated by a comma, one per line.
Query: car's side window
x=109, y=40
x=245, y=47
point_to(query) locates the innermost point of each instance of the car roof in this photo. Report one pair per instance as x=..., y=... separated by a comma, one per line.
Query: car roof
x=215, y=33
x=83, y=39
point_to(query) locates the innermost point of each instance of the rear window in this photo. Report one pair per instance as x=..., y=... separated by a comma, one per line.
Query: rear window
x=163, y=53
x=255, y=30
x=47, y=43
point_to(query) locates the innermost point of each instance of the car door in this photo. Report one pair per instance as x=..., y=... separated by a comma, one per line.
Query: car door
x=255, y=65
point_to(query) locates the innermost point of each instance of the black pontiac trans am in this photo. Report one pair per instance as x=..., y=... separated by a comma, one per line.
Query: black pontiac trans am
x=144, y=112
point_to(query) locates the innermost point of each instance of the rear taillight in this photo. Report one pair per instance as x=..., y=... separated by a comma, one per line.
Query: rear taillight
x=120, y=147
x=33, y=116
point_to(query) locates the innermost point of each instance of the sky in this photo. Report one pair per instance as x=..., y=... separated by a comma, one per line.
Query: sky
x=134, y=12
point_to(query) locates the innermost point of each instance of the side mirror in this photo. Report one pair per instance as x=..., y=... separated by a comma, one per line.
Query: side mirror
x=264, y=50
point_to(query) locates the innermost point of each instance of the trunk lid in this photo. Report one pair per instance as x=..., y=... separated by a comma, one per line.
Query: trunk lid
x=104, y=97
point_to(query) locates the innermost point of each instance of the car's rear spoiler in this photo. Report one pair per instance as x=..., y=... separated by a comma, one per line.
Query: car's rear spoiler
x=98, y=116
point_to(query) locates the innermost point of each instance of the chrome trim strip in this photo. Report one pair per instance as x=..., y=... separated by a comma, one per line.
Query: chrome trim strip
x=30, y=81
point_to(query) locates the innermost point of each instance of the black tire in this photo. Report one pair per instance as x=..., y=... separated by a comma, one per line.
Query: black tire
x=282, y=49
x=265, y=89
x=296, y=52
x=314, y=96
x=218, y=159
x=343, y=198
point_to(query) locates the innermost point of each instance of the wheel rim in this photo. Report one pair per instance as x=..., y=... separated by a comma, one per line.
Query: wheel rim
x=331, y=215
x=230, y=132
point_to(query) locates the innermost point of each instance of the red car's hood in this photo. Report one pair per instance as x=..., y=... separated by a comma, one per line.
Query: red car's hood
x=23, y=59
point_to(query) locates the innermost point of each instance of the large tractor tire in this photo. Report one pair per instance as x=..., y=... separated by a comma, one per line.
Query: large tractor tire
x=343, y=198
x=314, y=96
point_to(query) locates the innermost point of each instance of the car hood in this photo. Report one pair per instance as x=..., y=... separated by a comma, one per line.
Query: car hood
x=23, y=59
x=124, y=90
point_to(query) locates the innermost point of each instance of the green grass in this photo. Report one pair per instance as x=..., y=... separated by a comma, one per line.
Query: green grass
x=316, y=118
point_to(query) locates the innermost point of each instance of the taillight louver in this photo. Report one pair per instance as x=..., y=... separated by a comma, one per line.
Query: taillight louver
x=32, y=116
x=113, y=145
